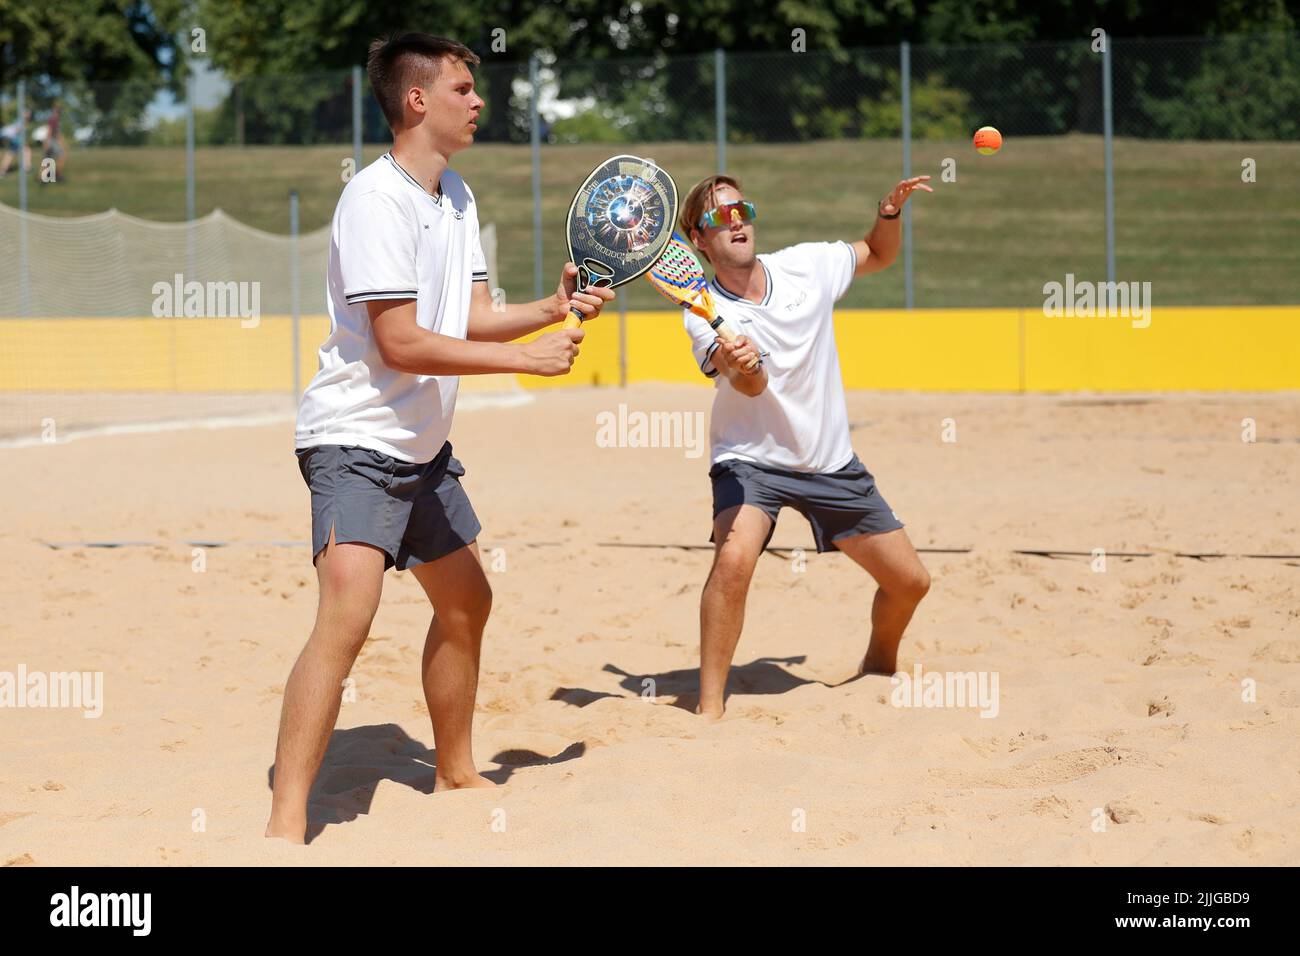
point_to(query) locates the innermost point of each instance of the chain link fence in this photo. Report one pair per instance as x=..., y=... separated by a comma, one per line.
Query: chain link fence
x=1204, y=159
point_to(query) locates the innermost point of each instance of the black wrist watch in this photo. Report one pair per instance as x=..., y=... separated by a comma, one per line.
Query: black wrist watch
x=880, y=211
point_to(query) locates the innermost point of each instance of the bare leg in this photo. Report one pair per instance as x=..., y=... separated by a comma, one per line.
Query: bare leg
x=738, y=535
x=903, y=581
x=351, y=578
x=462, y=599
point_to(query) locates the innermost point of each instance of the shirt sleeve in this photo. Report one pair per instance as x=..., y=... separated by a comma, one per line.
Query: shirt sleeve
x=843, y=262
x=478, y=261
x=829, y=264
x=704, y=341
x=377, y=249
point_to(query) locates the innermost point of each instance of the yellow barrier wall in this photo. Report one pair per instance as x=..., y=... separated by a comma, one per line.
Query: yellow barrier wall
x=996, y=350
x=185, y=355
x=1194, y=349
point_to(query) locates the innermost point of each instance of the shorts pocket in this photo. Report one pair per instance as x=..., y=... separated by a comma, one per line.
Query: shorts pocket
x=370, y=465
x=727, y=466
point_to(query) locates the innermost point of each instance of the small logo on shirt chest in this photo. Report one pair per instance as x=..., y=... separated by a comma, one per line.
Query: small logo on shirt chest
x=458, y=213
x=795, y=303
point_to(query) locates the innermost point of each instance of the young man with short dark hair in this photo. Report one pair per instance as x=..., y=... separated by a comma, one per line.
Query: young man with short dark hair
x=410, y=312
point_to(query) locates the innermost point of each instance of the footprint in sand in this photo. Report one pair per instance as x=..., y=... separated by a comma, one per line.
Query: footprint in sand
x=1160, y=708
x=1279, y=652
x=1240, y=622
x=851, y=723
x=1131, y=601
x=1022, y=740
x=1123, y=813
x=1052, y=806
x=1045, y=771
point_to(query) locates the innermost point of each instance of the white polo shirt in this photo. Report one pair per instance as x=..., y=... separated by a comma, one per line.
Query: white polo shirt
x=799, y=422
x=392, y=240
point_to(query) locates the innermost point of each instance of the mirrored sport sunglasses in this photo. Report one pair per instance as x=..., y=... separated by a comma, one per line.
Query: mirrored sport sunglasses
x=740, y=211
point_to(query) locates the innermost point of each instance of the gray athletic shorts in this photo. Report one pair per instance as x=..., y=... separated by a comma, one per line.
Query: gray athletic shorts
x=413, y=512
x=839, y=504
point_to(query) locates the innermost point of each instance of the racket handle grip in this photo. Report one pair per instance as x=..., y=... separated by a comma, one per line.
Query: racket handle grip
x=729, y=336
x=573, y=320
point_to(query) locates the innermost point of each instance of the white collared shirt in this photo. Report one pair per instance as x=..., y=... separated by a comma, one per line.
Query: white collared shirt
x=799, y=422
x=390, y=239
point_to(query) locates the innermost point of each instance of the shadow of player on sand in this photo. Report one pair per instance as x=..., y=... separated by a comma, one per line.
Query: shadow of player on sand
x=764, y=675
x=358, y=758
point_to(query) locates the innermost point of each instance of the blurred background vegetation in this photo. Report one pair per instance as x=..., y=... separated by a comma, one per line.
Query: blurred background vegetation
x=813, y=122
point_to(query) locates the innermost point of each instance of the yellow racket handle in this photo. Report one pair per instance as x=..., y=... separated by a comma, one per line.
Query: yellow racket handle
x=573, y=320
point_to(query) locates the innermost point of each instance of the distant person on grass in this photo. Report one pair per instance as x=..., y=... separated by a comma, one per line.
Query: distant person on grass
x=410, y=312
x=13, y=144
x=55, y=147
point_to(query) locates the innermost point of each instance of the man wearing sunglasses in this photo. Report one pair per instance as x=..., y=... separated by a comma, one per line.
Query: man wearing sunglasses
x=779, y=431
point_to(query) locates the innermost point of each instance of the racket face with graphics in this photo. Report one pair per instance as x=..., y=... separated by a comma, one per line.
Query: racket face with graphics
x=619, y=222
x=679, y=277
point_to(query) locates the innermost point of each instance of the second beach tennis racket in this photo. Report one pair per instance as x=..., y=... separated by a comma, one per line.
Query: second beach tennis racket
x=619, y=222
x=679, y=278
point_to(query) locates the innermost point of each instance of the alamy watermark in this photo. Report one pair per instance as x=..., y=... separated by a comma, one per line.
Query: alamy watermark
x=76, y=690
x=635, y=429
x=1098, y=300
x=193, y=299
x=129, y=910
x=975, y=689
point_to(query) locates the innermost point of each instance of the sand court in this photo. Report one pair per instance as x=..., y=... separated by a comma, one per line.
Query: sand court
x=1127, y=567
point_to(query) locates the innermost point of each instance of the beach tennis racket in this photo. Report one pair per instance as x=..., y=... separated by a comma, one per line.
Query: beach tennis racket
x=619, y=222
x=679, y=278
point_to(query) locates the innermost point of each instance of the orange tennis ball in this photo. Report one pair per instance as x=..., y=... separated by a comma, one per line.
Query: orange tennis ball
x=987, y=140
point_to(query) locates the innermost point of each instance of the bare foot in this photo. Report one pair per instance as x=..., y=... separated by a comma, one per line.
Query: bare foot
x=713, y=713
x=291, y=832
x=473, y=782
x=877, y=665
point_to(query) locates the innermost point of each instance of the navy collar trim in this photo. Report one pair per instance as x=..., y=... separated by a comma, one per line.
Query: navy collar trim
x=411, y=179
x=727, y=293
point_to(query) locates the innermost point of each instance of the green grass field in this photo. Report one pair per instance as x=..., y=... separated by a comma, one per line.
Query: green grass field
x=1009, y=223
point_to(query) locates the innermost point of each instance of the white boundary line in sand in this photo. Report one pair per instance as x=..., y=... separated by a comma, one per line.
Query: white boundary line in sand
x=473, y=401
x=466, y=403
x=135, y=428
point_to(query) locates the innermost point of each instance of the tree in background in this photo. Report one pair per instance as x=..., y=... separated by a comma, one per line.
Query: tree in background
x=106, y=59
x=1240, y=88
x=645, y=65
